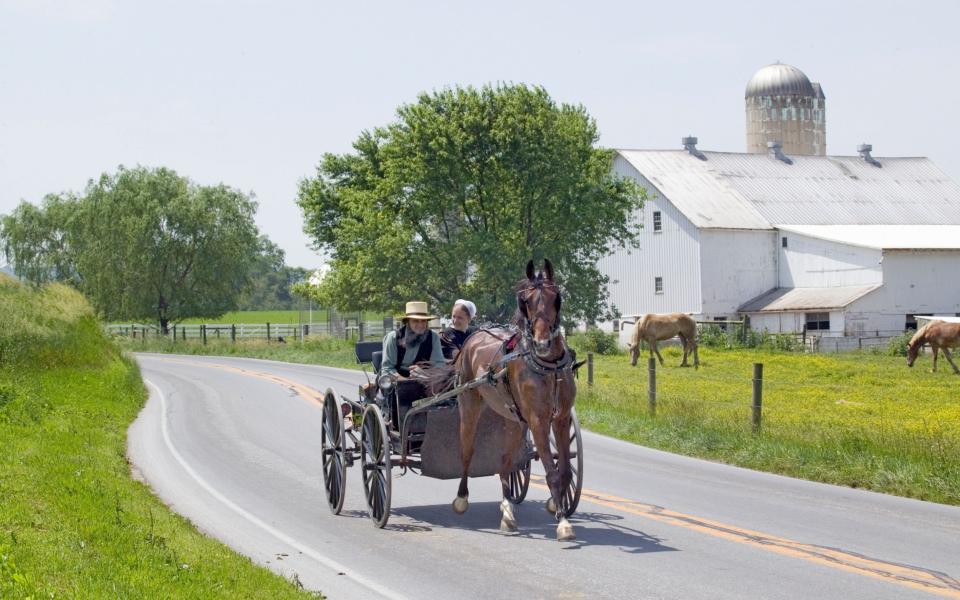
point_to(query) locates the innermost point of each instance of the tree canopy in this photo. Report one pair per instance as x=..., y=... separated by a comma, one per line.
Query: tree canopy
x=454, y=197
x=141, y=244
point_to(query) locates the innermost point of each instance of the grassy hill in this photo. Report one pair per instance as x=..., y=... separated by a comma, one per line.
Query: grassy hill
x=72, y=521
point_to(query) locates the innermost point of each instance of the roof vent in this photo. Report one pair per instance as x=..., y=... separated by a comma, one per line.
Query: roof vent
x=690, y=145
x=776, y=149
x=865, y=150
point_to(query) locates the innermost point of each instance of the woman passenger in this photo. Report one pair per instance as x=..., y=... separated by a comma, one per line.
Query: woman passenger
x=452, y=338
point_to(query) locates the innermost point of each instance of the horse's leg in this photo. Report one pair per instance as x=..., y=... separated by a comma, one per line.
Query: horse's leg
x=696, y=356
x=514, y=437
x=540, y=427
x=654, y=348
x=470, y=406
x=947, y=354
x=683, y=340
x=936, y=352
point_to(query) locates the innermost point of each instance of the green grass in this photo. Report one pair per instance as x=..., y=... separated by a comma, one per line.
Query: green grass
x=259, y=317
x=316, y=350
x=73, y=523
x=856, y=419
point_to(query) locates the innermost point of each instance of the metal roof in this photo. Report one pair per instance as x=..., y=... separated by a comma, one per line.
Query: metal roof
x=730, y=190
x=884, y=237
x=806, y=298
x=779, y=80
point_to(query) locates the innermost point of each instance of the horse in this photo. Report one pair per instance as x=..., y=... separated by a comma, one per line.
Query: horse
x=538, y=389
x=653, y=328
x=941, y=336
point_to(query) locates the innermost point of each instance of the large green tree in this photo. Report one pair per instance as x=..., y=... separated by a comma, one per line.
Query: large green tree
x=141, y=244
x=454, y=197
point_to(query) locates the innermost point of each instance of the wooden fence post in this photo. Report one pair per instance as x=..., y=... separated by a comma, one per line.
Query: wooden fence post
x=268, y=333
x=174, y=334
x=360, y=331
x=233, y=333
x=757, y=405
x=590, y=368
x=652, y=385
x=203, y=331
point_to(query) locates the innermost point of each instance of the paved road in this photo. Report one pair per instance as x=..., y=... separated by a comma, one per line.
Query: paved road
x=233, y=444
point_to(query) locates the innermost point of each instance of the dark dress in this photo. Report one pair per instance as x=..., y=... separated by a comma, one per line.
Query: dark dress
x=451, y=340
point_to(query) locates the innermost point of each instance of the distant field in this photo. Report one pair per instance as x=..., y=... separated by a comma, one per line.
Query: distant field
x=278, y=316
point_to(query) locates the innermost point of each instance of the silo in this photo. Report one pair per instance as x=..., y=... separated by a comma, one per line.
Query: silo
x=784, y=106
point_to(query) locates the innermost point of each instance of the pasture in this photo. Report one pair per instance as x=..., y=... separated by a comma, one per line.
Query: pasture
x=855, y=419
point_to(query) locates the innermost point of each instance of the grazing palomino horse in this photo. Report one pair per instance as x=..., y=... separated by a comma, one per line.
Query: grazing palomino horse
x=653, y=328
x=941, y=336
x=538, y=389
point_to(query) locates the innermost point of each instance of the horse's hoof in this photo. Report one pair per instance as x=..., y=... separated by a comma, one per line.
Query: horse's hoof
x=565, y=532
x=460, y=505
x=508, y=526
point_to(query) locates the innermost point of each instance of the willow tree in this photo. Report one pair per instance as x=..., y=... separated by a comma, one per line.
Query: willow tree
x=454, y=197
x=144, y=244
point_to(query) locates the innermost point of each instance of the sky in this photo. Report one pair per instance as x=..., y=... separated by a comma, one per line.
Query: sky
x=253, y=93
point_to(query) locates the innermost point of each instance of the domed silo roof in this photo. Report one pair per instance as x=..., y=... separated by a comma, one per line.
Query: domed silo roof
x=779, y=80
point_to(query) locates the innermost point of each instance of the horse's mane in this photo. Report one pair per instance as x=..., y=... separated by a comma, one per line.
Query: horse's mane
x=921, y=335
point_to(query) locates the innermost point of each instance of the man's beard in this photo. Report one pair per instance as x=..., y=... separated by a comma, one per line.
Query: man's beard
x=413, y=339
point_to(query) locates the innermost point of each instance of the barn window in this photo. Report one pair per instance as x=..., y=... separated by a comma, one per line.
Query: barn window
x=657, y=221
x=784, y=241
x=658, y=285
x=818, y=321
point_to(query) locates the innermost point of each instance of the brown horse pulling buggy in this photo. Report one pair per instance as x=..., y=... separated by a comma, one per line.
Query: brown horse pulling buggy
x=505, y=402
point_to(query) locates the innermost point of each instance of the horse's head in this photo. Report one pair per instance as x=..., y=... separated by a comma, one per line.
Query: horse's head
x=914, y=345
x=538, y=305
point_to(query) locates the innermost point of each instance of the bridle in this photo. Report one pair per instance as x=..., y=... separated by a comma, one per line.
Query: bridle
x=540, y=314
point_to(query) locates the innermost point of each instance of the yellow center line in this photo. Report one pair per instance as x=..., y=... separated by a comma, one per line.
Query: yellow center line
x=913, y=577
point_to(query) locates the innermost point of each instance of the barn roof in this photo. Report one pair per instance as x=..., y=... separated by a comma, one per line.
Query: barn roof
x=884, y=237
x=729, y=190
x=806, y=298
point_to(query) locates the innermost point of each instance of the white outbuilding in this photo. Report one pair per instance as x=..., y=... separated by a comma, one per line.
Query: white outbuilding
x=838, y=245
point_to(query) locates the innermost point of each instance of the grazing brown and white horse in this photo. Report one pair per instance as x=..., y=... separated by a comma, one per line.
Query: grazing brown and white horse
x=653, y=328
x=941, y=336
x=538, y=389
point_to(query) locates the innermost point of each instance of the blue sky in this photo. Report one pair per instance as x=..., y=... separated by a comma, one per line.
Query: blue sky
x=253, y=93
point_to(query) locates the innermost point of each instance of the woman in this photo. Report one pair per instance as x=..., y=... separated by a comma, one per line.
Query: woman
x=452, y=338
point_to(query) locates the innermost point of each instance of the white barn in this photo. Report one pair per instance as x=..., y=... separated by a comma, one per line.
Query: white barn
x=844, y=245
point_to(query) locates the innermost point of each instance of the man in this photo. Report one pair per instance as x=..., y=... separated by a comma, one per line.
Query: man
x=412, y=343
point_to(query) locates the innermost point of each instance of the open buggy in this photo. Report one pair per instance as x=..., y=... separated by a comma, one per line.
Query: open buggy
x=421, y=434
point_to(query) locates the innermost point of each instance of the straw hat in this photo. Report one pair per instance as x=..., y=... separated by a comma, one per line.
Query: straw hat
x=418, y=310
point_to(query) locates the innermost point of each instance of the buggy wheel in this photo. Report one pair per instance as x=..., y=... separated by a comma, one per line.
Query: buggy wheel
x=375, y=461
x=519, y=480
x=331, y=444
x=572, y=493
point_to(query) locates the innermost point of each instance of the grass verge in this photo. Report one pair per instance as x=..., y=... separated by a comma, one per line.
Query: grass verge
x=73, y=523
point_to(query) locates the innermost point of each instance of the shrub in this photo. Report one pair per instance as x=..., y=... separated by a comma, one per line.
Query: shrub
x=595, y=340
x=897, y=346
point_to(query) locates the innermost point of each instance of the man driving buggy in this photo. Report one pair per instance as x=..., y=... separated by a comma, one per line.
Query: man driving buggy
x=413, y=343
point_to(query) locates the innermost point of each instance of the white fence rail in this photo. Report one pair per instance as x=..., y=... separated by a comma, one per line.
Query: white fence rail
x=365, y=330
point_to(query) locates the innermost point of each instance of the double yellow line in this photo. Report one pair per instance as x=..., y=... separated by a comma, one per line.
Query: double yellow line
x=905, y=575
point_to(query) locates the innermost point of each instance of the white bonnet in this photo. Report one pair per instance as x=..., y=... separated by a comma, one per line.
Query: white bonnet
x=470, y=306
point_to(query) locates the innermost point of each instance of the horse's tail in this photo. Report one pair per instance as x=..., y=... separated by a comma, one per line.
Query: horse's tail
x=439, y=378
